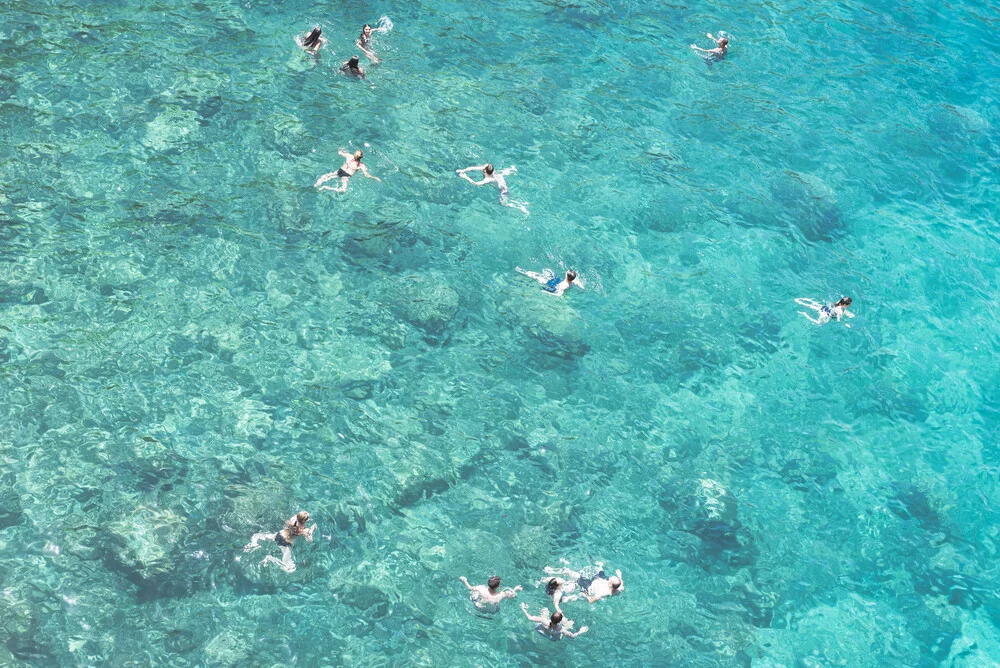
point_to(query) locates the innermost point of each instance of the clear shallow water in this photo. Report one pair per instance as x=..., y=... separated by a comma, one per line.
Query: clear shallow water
x=196, y=343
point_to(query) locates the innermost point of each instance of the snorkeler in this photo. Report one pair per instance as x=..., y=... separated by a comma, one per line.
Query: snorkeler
x=294, y=528
x=352, y=163
x=492, y=176
x=488, y=596
x=364, y=43
x=353, y=68
x=594, y=586
x=314, y=40
x=550, y=282
x=827, y=312
x=553, y=626
x=720, y=50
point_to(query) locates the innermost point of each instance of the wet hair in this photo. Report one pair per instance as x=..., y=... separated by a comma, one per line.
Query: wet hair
x=488, y=168
x=556, y=618
x=302, y=516
x=724, y=41
x=353, y=63
x=363, y=28
x=493, y=582
x=359, y=154
x=844, y=301
x=570, y=275
x=312, y=39
x=552, y=586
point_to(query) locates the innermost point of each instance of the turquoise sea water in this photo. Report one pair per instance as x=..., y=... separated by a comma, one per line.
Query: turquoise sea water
x=195, y=343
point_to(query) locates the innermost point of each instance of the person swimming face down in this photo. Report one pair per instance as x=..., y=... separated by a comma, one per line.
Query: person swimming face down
x=844, y=301
x=488, y=169
x=312, y=39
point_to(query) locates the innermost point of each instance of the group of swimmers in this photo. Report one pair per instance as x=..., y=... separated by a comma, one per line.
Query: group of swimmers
x=571, y=586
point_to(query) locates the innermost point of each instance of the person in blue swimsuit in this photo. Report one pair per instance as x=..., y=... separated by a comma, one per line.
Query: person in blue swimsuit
x=825, y=312
x=550, y=282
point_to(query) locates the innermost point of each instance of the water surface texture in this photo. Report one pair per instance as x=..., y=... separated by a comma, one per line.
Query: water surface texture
x=195, y=343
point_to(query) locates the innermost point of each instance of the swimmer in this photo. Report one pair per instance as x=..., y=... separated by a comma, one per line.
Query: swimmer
x=492, y=176
x=364, y=43
x=720, y=50
x=352, y=163
x=353, y=68
x=294, y=528
x=553, y=626
x=558, y=590
x=314, y=40
x=550, y=282
x=488, y=596
x=595, y=586
x=827, y=312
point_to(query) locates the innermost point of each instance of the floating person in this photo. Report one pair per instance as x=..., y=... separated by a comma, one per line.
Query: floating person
x=553, y=626
x=294, y=528
x=313, y=41
x=353, y=68
x=558, y=590
x=487, y=597
x=490, y=175
x=718, y=53
x=364, y=43
x=593, y=583
x=552, y=283
x=827, y=312
x=352, y=163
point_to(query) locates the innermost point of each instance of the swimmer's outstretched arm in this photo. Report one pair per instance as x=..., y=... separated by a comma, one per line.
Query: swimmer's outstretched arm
x=466, y=583
x=537, y=620
x=511, y=593
x=367, y=52
x=345, y=154
x=471, y=169
x=364, y=170
x=308, y=533
x=578, y=633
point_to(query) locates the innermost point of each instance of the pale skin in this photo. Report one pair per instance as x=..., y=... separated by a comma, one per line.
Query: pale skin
x=543, y=622
x=294, y=528
x=599, y=588
x=363, y=41
x=719, y=52
x=485, y=598
x=352, y=164
x=495, y=177
x=561, y=593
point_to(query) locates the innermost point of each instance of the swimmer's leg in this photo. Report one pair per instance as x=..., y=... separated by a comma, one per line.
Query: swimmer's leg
x=323, y=179
x=513, y=204
x=810, y=318
x=809, y=303
x=285, y=563
x=255, y=541
x=541, y=278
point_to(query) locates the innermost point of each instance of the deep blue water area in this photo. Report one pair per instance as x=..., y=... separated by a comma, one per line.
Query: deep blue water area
x=196, y=343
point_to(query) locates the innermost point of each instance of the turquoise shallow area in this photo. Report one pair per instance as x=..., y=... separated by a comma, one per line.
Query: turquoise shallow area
x=195, y=343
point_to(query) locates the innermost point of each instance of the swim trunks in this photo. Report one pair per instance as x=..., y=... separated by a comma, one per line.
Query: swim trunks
x=342, y=174
x=280, y=540
x=551, y=284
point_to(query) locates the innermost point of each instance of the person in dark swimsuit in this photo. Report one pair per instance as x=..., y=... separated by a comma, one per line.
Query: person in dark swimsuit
x=365, y=44
x=313, y=41
x=353, y=68
x=550, y=282
x=826, y=312
x=352, y=164
x=718, y=53
x=294, y=528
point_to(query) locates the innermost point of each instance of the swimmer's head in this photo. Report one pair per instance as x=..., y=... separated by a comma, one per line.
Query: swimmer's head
x=302, y=517
x=494, y=582
x=353, y=63
x=724, y=41
x=366, y=29
x=552, y=586
x=312, y=39
x=570, y=276
x=615, y=582
x=844, y=301
x=488, y=169
x=358, y=155
x=555, y=619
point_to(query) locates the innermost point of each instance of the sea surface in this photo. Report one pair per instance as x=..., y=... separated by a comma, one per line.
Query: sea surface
x=195, y=343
